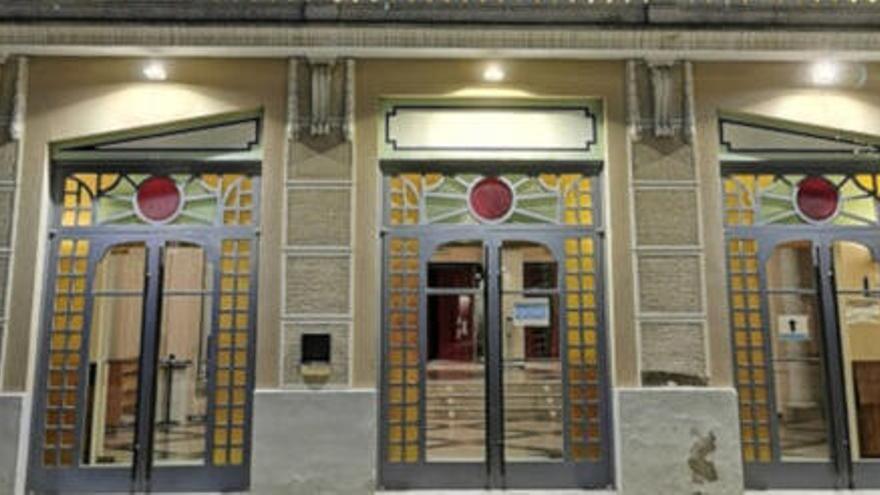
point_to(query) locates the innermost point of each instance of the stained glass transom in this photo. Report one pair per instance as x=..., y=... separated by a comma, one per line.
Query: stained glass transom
x=96, y=199
x=799, y=199
x=434, y=198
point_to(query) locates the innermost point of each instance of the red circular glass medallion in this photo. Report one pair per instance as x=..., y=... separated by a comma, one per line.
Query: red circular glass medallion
x=817, y=198
x=158, y=198
x=491, y=198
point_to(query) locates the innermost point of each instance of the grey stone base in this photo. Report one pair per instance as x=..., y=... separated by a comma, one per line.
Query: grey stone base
x=10, y=429
x=681, y=440
x=314, y=442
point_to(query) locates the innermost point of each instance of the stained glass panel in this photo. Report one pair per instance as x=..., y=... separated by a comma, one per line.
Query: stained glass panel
x=433, y=198
x=799, y=199
x=95, y=199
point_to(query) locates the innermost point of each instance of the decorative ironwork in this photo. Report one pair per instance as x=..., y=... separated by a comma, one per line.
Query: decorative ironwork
x=433, y=198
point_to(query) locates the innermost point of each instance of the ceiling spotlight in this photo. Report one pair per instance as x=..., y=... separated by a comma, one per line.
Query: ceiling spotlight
x=493, y=73
x=825, y=73
x=155, y=71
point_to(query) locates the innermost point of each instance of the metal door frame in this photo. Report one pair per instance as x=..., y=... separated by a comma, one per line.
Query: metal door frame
x=840, y=472
x=142, y=475
x=494, y=472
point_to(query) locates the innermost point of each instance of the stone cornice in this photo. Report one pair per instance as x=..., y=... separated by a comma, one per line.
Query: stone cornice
x=617, y=12
x=439, y=41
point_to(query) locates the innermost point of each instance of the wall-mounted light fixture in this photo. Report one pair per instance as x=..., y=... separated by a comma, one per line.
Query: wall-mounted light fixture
x=155, y=71
x=833, y=73
x=493, y=73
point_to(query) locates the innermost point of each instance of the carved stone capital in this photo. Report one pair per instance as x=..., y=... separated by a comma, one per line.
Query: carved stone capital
x=659, y=98
x=320, y=98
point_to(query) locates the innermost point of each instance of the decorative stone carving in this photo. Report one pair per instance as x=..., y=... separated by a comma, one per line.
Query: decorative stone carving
x=320, y=98
x=659, y=98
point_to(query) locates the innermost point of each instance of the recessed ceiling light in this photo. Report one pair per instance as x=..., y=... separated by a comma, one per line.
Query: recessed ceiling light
x=493, y=73
x=825, y=73
x=155, y=71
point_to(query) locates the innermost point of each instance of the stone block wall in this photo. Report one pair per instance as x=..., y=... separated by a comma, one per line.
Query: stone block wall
x=668, y=253
x=12, y=74
x=318, y=243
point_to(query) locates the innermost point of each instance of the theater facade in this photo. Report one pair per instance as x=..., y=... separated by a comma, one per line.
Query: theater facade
x=345, y=247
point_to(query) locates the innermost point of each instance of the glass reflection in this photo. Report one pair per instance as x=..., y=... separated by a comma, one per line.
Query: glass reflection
x=455, y=390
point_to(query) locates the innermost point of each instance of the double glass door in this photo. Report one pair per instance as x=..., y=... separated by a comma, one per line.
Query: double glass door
x=146, y=378
x=502, y=383
x=815, y=418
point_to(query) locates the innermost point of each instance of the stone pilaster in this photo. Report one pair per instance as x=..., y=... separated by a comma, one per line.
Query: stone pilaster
x=13, y=74
x=318, y=241
x=667, y=242
x=675, y=434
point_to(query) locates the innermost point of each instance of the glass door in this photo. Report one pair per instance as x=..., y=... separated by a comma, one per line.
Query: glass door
x=856, y=283
x=512, y=393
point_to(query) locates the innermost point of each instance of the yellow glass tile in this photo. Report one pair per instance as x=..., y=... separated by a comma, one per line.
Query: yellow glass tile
x=574, y=320
x=589, y=318
x=571, y=283
x=570, y=217
x=574, y=356
x=395, y=413
x=75, y=323
x=242, y=303
x=412, y=453
x=236, y=436
x=225, y=321
x=238, y=396
x=394, y=453
x=221, y=396
x=590, y=356
x=586, y=217
x=755, y=320
x=764, y=454
x=412, y=414
x=412, y=377
x=395, y=217
x=586, y=245
x=236, y=456
x=74, y=342
x=412, y=434
x=221, y=415
x=219, y=457
x=757, y=356
x=589, y=338
x=587, y=264
x=588, y=300
x=571, y=247
x=224, y=358
x=223, y=377
x=748, y=454
x=240, y=378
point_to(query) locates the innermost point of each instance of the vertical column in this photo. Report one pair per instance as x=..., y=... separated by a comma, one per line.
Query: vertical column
x=13, y=74
x=676, y=435
x=317, y=307
x=667, y=242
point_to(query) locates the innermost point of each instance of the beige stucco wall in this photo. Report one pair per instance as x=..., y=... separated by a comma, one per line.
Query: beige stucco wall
x=73, y=97
x=424, y=78
x=775, y=90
